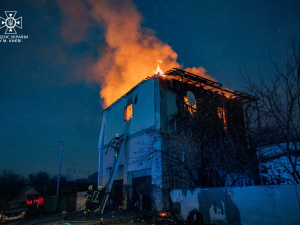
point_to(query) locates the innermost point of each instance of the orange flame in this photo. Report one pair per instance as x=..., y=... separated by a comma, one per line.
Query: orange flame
x=158, y=70
x=130, y=52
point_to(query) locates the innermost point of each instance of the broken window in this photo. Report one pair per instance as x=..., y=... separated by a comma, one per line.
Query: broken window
x=222, y=116
x=128, y=112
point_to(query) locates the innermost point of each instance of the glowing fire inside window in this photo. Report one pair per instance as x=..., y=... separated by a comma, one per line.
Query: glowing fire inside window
x=221, y=115
x=128, y=112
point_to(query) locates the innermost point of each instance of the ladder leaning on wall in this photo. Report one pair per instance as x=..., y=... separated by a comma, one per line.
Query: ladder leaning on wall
x=115, y=168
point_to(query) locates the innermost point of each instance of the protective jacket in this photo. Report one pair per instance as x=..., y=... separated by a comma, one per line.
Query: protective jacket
x=116, y=142
x=89, y=195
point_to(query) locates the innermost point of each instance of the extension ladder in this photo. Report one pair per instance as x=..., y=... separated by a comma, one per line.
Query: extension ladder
x=115, y=168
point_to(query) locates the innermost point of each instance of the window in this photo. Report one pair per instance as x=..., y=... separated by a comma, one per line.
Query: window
x=128, y=112
x=222, y=116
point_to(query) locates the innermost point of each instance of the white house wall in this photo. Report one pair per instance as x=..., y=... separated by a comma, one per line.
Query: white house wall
x=145, y=106
x=143, y=112
x=139, y=156
x=153, y=106
x=139, y=147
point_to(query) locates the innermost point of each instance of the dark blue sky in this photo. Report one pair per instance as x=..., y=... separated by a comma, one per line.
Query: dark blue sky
x=45, y=97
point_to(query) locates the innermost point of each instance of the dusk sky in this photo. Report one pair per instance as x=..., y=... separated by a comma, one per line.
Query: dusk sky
x=50, y=83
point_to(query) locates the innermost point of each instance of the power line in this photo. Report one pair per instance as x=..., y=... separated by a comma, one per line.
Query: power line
x=25, y=151
x=74, y=162
x=77, y=166
x=30, y=146
x=68, y=156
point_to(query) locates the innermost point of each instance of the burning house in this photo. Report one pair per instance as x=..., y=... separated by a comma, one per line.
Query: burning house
x=173, y=130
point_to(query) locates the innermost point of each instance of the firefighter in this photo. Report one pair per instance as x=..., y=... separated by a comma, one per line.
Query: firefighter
x=89, y=202
x=96, y=198
x=116, y=144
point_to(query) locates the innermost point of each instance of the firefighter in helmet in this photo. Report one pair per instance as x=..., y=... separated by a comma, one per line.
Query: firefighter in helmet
x=96, y=198
x=116, y=144
x=89, y=198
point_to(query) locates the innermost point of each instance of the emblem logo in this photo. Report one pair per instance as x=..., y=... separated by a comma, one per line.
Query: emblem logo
x=10, y=22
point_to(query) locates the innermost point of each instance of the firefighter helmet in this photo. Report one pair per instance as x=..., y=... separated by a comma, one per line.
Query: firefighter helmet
x=99, y=187
x=91, y=187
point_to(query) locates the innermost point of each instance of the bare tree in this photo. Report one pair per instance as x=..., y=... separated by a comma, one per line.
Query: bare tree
x=200, y=152
x=10, y=185
x=39, y=180
x=279, y=115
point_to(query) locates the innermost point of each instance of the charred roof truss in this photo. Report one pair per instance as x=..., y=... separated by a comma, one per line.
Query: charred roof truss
x=207, y=84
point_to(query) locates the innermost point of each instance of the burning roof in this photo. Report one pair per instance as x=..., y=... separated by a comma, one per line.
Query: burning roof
x=195, y=80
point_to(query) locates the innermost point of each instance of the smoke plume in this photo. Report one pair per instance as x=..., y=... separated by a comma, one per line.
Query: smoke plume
x=131, y=52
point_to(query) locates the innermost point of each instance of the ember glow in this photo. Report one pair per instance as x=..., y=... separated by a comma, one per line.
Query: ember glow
x=222, y=115
x=162, y=214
